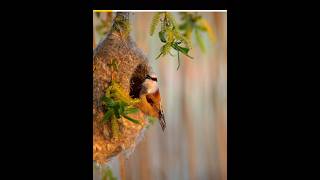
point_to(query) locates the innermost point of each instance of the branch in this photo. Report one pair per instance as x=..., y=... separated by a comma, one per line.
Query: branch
x=121, y=23
x=124, y=15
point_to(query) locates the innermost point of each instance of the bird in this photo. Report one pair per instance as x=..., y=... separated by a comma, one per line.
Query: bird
x=151, y=100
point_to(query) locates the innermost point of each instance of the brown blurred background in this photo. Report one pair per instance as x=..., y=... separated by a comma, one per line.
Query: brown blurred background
x=194, y=98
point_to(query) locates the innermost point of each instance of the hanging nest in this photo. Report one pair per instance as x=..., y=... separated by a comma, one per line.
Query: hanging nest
x=132, y=68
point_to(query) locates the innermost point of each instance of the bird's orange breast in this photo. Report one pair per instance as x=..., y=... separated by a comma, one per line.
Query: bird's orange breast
x=156, y=95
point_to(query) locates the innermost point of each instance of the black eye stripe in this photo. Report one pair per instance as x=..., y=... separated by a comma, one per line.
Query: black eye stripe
x=152, y=78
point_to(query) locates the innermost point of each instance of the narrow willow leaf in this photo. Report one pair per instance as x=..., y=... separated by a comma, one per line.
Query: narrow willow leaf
x=188, y=56
x=199, y=40
x=162, y=36
x=121, y=107
x=107, y=115
x=158, y=56
x=166, y=48
x=181, y=49
x=170, y=35
x=131, y=110
x=211, y=33
x=116, y=111
x=131, y=119
x=107, y=101
x=110, y=103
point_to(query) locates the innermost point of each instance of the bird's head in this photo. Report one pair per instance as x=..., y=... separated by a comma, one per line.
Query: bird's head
x=150, y=84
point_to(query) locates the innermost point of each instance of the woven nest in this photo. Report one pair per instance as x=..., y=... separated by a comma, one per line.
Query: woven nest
x=132, y=69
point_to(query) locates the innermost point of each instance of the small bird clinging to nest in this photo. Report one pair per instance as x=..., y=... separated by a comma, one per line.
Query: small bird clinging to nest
x=151, y=100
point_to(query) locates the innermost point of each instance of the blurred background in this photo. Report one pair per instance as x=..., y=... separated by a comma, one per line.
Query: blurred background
x=194, y=98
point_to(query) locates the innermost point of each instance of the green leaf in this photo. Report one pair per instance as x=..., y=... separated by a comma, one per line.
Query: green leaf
x=202, y=28
x=200, y=41
x=159, y=55
x=179, y=48
x=121, y=108
x=165, y=49
x=131, y=110
x=105, y=98
x=162, y=36
x=131, y=119
x=107, y=101
x=107, y=115
x=184, y=26
x=116, y=109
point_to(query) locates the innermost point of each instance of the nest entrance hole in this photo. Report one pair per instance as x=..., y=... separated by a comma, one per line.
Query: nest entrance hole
x=136, y=80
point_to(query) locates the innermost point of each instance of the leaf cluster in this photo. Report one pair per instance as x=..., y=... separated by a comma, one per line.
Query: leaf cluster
x=169, y=35
x=193, y=22
x=117, y=104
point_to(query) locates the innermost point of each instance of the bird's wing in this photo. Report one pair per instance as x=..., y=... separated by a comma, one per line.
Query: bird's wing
x=155, y=101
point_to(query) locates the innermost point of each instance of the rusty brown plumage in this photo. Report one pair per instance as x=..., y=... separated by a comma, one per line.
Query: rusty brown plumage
x=151, y=105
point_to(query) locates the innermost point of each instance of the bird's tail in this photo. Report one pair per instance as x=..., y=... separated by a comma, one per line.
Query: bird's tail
x=162, y=120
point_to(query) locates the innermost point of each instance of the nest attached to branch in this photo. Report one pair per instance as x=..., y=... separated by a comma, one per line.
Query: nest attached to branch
x=132, y=68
